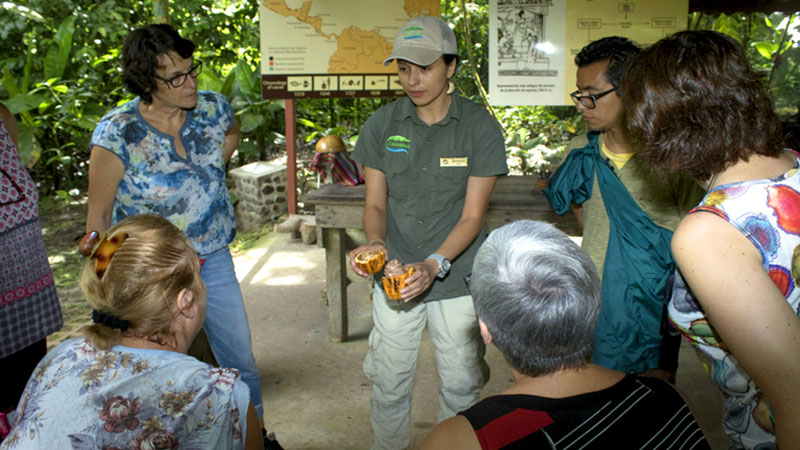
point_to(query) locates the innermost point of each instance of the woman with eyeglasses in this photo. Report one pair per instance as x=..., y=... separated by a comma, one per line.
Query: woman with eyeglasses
x=29, y=308
x=164, y=153
x=128, y=382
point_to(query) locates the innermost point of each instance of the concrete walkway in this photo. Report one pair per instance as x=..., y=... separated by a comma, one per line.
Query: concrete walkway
x=315, y=393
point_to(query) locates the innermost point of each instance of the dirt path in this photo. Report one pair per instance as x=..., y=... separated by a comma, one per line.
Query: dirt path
x=62, y=228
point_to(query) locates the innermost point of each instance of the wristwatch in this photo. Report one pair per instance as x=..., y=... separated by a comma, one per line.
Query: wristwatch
x=442, y=262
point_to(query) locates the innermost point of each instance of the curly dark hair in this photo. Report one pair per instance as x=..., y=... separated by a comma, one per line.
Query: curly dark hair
x=618, y=51
x=140, y=53
x=695, y=106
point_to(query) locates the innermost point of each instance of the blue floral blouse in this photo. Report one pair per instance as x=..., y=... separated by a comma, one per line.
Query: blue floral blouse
x=189, y=192
x=80, y=397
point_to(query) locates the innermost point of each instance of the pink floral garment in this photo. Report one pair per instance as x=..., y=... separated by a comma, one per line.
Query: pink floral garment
x=80, y=397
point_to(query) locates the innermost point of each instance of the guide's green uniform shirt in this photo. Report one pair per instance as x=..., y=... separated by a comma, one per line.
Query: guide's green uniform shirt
x=427, y=168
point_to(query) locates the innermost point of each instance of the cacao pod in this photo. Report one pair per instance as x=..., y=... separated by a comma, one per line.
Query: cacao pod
x=393, y=285
x=370, y=261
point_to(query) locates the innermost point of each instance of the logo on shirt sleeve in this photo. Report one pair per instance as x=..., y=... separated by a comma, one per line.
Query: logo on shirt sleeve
x=398, y=144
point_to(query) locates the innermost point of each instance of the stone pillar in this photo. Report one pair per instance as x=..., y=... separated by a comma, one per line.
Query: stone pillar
x=260, y=188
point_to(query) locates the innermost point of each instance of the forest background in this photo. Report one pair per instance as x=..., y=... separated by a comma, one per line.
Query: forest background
x=61, y=73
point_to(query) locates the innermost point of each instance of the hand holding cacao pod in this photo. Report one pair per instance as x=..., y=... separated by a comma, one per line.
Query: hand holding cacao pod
x=395, y=279
x=370, y=261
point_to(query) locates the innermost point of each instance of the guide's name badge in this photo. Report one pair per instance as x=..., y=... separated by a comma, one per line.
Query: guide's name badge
x=453, y=162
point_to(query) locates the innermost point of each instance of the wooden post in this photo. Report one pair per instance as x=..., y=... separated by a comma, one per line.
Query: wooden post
x=161, y=11
x=291, y=156
x=336, y=281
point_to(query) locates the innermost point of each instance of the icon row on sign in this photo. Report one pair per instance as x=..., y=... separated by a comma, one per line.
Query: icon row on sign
x=301, y=83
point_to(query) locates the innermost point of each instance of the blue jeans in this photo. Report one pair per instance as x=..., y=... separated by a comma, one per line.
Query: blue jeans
x=226, y=322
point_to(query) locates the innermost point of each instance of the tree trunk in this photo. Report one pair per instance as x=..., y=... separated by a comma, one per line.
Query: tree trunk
x=161, y=11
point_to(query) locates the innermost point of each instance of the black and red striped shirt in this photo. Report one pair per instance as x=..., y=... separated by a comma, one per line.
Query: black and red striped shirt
x=636, y=413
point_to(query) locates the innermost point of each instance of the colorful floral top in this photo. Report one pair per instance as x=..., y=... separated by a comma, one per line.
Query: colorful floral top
x=766, y=212
x=80, y=397
x=29, y=308
x=189, y=192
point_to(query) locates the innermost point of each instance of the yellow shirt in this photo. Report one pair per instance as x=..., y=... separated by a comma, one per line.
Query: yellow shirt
x=664, y=200
x=619, y=159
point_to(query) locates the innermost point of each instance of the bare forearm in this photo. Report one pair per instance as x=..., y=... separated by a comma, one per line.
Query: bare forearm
x=232, y=140
x=461, y=236
x=578, y=211
x=479, y=189
x=374, y=223
x=105, y=175
x=787, y=430
x=98, y=221
x=231, y=143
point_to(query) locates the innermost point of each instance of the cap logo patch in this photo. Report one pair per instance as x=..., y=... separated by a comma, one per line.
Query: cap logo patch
x=412, y=33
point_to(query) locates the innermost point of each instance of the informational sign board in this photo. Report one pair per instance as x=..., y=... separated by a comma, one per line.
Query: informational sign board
x=533, y=43
x=333, y=48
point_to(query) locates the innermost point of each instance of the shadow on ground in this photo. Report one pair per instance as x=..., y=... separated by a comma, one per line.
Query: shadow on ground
x=315, y=393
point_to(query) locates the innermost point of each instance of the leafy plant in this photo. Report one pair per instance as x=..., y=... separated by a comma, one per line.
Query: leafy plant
x=530, y=155
x=61, y=73
x=773, y=45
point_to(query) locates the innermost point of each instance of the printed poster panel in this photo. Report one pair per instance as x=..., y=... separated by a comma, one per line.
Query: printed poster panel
x=526, y=52
x=333, y=48
x=533, y=43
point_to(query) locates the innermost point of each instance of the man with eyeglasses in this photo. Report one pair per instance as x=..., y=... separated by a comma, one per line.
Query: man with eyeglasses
x=627, y=215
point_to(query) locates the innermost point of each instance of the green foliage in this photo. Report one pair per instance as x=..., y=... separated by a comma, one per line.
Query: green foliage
x=538, y=136
x=59, y=77
x=456, y=13
x=61, y=73
x=773, y=46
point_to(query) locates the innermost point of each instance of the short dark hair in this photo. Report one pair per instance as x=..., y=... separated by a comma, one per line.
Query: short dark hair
x=618, y=51
x=695, y=106
x=140, y=53
x=538, y=294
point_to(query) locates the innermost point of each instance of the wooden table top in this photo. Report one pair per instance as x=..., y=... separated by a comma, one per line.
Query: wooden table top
x=514, y=198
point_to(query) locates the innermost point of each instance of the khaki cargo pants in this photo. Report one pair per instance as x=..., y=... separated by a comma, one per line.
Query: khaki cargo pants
x=392, y=361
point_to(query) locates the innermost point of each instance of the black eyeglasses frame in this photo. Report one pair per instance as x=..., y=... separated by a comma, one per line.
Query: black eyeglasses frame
x=580, y=98
x=193, y=72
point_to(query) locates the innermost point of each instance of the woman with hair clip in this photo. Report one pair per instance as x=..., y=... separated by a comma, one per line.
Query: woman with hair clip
x=164, y=153
x=129, y=383
x=698, y=108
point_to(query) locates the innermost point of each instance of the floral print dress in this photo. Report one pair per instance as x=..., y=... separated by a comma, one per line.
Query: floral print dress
x=80, y=397
x=767, y=212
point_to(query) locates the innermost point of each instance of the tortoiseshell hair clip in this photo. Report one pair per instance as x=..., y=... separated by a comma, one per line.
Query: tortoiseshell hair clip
x=100, y=250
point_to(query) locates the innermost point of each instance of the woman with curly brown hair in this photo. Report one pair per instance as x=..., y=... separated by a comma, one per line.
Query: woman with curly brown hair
x=697, y=107
x=129, y=382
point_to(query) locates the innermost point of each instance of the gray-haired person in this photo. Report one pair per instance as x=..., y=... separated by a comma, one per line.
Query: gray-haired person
x=537, y=297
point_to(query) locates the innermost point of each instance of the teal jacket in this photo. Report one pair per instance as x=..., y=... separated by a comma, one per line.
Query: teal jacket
x=638, y=265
